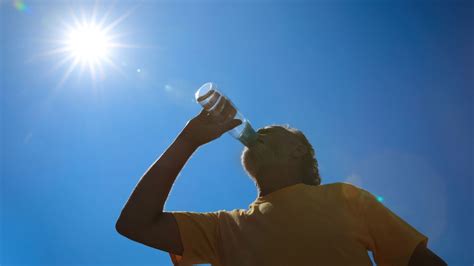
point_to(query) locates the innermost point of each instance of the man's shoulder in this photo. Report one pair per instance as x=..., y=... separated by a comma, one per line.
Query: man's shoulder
x=345, y=190
x=341, y=186
x=219, y=216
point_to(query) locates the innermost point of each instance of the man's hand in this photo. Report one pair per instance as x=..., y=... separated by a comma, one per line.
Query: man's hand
x=208, y=126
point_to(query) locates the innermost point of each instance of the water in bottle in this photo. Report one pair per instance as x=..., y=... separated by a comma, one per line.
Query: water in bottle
x=208, y=97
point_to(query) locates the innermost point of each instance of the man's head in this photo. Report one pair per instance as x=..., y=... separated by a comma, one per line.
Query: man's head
x=281, y=152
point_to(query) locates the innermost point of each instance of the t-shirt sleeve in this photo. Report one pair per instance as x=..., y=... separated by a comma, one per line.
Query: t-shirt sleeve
x=391, y=239
x=199, y=234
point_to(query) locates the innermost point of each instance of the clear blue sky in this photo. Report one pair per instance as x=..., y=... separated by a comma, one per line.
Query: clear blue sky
x=382, y=89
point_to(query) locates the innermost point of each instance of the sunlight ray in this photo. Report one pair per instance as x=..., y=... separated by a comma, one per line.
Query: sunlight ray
x=102, y=22
x=117, y=21
x=92, y=72
x=100, y=70
x=94, y=12
x=68, y=72
x=60, y=50
x=65, y=60
x=111, y=63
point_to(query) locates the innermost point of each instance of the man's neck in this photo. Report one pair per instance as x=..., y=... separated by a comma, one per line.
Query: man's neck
x=265, y=188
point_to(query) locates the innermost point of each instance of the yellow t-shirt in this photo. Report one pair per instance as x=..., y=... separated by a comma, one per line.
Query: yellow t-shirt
x=332, y=224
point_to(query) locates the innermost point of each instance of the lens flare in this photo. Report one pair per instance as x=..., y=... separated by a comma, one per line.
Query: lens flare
x=20, y=5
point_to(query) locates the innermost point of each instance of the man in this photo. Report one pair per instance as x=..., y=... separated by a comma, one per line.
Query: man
x=294, y=220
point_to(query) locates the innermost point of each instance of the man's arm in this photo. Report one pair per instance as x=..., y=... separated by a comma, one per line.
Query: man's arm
x=142, y=218
x=423, y=256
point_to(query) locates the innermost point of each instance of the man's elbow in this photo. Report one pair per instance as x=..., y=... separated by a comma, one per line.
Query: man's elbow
x=424, y=256
x=125, y=227
x=122, y=228
x=131, y=229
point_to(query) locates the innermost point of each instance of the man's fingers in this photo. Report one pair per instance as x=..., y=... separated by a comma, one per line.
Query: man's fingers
x=212, y=100
x=217, y=110
x=231, y=124
x=223, y=113
x=204, y=113
x=229, y=111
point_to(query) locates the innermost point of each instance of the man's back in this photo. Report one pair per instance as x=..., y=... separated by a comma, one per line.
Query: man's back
x=300, y=225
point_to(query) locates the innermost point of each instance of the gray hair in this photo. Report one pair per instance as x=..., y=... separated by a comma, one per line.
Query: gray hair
x=310, y=171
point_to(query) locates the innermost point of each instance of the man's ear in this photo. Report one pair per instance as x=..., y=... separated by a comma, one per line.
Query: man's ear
x=299, y=150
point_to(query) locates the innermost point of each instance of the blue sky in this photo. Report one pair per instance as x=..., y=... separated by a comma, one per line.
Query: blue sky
x=382, y=89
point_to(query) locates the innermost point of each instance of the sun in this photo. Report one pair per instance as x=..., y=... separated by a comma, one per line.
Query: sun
x=88, y=43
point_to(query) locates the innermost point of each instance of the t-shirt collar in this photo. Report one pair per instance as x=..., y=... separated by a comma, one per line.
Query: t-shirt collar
x=278, y=193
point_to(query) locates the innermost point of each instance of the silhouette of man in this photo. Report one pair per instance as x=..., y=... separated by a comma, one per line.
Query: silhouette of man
x=293, y=221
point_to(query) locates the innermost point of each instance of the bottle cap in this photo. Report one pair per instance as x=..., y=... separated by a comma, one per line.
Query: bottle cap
x=204, y=91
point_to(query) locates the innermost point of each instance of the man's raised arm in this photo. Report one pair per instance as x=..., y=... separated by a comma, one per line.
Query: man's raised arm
x=142, y=219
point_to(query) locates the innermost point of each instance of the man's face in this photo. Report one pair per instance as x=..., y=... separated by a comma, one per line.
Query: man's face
x=273, y=149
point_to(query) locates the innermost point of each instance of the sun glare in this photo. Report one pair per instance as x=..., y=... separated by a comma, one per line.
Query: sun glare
x=88, y=43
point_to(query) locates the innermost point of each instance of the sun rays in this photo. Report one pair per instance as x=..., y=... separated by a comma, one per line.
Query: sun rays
x=88, y=43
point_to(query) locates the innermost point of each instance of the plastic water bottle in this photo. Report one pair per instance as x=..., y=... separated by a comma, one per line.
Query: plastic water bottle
x=208, y=97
